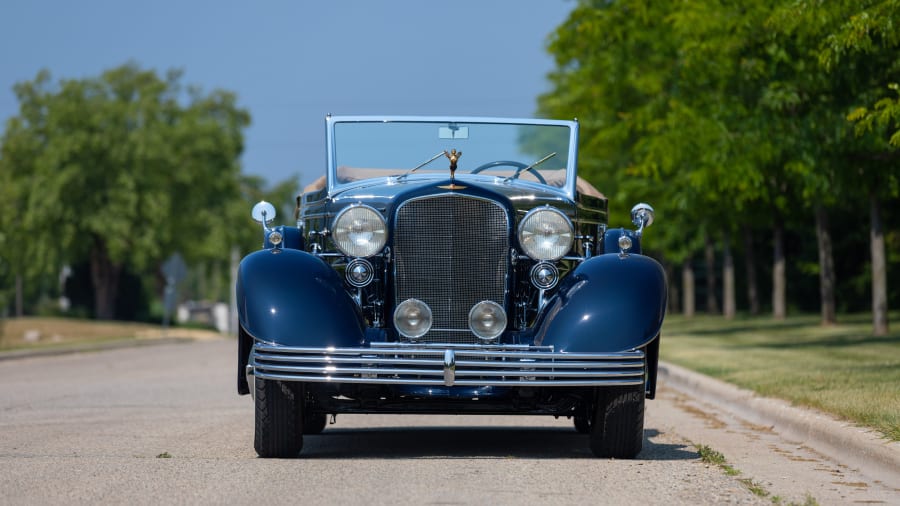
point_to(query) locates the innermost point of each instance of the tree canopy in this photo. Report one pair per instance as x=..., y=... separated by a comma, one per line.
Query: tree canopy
x=762, y=117
x=120, y=171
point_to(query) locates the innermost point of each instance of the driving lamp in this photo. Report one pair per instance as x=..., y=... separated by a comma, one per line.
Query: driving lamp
x=487, y=320
x=412, y=318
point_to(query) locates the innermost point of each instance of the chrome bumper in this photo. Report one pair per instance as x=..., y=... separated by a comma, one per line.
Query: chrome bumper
x=449, y=365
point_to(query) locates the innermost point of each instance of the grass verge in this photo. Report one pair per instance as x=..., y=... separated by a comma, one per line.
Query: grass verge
x=39, y=332
x=841, y=369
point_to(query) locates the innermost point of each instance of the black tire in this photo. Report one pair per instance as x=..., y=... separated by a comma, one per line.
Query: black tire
x=314, y=423
x=278, y=419
x=582, y=424
x=617, y=430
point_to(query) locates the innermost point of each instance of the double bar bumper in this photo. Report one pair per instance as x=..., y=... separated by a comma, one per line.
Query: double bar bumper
x=449, y=365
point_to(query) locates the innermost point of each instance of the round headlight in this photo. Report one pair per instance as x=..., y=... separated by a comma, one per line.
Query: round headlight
x=359, y=231
x=412, y=318
x=546, y=234
x=487, y=319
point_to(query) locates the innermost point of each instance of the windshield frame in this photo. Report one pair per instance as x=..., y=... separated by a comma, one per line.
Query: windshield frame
x=568, y=188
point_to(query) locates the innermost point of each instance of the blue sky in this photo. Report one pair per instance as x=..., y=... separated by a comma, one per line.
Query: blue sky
x=292, y=62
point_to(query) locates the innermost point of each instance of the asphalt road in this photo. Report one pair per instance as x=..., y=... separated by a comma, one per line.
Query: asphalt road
x=163, y=424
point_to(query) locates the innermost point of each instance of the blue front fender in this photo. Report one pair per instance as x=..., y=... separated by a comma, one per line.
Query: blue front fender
x=292, y=298
x=609, y=303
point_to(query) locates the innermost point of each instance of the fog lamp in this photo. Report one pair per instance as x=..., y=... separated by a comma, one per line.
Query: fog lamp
x=412, y=318
x=487, y=320
x=360, y=272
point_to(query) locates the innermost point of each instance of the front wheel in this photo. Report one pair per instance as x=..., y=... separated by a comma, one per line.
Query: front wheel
x=617, y=430
x=278, y=419
x=582, y=424
x=314, y=423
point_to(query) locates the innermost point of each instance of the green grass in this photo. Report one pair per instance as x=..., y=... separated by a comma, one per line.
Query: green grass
x=715, y=458
x=841, y=369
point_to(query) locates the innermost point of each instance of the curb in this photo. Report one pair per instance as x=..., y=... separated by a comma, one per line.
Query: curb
x=841, y=441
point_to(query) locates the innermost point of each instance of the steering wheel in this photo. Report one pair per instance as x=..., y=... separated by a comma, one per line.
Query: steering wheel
x=509, y=163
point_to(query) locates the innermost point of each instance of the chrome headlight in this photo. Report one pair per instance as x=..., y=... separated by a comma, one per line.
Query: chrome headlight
x=546, y=234
x=359, y=231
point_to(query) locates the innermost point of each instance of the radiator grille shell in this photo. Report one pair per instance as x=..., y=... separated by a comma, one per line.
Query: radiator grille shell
x=451, y=252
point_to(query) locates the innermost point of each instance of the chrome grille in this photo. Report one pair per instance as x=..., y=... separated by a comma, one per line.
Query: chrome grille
x=451, y=251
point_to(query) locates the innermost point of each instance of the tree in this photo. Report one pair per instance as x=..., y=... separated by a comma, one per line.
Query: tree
x=739, y=116
x=663, y=88
x=123, y=170
x=8, y=214
x=856, y=43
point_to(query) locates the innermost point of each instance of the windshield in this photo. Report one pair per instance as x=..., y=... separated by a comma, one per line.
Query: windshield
x=537, y=153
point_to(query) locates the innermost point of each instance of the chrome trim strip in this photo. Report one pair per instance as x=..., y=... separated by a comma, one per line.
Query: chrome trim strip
x=408, y=364
x=441, y=346
x=301, y=359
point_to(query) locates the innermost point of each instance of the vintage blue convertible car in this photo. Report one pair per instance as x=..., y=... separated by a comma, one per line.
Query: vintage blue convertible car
x=447, y=266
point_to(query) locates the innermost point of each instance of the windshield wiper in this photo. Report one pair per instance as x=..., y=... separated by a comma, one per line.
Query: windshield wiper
x=417, y=167
x=533, y=165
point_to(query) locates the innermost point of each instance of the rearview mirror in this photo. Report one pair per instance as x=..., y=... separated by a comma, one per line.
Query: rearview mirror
x=453, y=131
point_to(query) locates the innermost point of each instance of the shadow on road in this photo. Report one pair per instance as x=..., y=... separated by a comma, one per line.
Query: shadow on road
x=469, y=443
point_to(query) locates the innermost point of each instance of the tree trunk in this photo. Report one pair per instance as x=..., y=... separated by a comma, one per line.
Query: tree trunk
x=779, y=282
x=728, y=304
x=687, y=288
x=750, y=268
x=235, y=262
x=879, y=269
x=674, y=300
x=709, y=252
x=19, y=297
x=826, y=267
x=105, y=278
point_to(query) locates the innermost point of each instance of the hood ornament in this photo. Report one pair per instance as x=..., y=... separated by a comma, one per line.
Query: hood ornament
x=452, y=155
